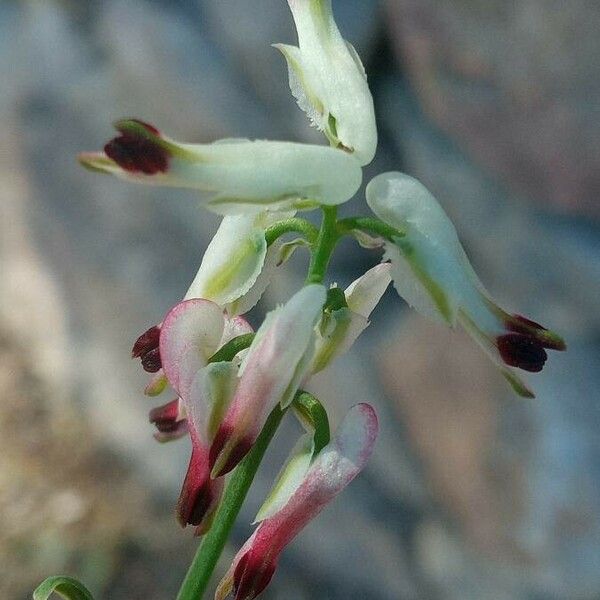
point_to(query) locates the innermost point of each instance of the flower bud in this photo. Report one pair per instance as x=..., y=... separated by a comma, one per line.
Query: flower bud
x=271, y=372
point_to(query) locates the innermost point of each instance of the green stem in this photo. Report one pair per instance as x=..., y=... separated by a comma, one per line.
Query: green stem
x=326, y=241
x=232, y=347
x=295, y=225
x=371, y=225
x=206, y=558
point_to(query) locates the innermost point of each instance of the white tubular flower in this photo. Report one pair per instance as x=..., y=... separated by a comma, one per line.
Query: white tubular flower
x=432, y=273
x=242, y=176
x=329, y=81
x=340, y=327
x=237, y=266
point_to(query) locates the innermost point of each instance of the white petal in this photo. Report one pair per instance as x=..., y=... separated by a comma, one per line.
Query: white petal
x=232, y=262
x=328, y=79
x=242, y=176
x=290, y=477
x=363, y=294
x=209, y=397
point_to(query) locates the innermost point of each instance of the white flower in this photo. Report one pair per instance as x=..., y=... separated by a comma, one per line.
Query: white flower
x=433, y=274
x=329, y=81
x=243, y=176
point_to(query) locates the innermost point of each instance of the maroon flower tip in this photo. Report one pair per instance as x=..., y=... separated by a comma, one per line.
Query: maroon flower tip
x=193, y=509
x=548, y=339
x=235, y=455
x=136, y=153
x=523, y=351
x=196, y=493
x=146, y=342
x=252, y=575
x=146, y=348
x=151, y=362
x=165, y=417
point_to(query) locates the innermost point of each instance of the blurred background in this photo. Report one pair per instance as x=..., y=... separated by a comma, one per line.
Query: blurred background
x=472, y=492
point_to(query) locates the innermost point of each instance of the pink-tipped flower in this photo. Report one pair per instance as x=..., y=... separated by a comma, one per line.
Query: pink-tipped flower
x=298, y=500
x=432, y=273
x=340, y=328
x=239, y=176
x=276, y=364
x=190, y=334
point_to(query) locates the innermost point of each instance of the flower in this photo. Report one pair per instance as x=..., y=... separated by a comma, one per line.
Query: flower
x=237, y=266
x=329, y=81
x=304, y=488
x=340, y=327
x=432, y=273
x=190, y=334
x=270, y=373
x=242, y=175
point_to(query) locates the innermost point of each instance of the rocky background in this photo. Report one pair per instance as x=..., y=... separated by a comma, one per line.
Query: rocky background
x=472, y=493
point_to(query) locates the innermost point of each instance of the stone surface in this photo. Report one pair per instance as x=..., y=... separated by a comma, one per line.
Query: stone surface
x=515, y=84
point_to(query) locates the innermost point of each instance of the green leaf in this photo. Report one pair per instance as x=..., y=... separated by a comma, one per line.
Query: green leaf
x=65, y=587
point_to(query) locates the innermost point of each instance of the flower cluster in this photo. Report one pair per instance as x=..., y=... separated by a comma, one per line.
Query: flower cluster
x=227, y=379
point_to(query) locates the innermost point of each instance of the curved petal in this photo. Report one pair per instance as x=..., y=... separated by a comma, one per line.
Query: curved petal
x=331, y=471
x=269, y=373
x=432, y=273
x=190, y=335
x=232, y=262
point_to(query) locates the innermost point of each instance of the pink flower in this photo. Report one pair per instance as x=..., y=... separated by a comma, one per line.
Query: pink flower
x=190, y=334
x=293, y=507
x=276, y=364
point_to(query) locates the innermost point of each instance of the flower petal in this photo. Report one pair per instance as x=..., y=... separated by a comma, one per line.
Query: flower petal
x=269, y=373
x=190, y=335
x=364, y=293
x=232, y=262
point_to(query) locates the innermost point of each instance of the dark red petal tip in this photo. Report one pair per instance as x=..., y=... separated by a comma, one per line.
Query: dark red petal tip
x=196, y=493
x=146, y=342
x=252, y=575
x=146, y=349
x=522, y=351
x=235, y=455
x=151, y=362
x=136, y=153
x=165, y=417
